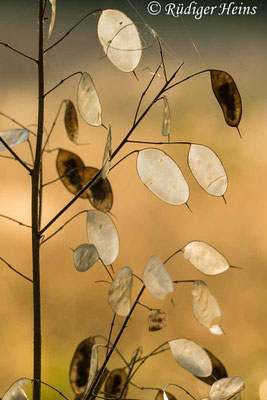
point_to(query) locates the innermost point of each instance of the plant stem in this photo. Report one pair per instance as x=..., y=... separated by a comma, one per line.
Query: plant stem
x=35, y=218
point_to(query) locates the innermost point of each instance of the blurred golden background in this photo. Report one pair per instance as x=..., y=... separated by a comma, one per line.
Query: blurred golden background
x=73, y=306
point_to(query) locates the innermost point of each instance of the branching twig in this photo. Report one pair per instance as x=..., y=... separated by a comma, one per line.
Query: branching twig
x=17, y=272
x=18, y=52
x=50, y=386
x=14, y=220
x=16, y=156
x=172, y=255
x=17, y=123
x=110, y=331
x=186, y=79
x=62, y=81
x=53, y=125
x=180, y=387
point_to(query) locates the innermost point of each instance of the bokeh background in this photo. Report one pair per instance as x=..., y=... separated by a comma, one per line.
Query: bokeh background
x=73, y=306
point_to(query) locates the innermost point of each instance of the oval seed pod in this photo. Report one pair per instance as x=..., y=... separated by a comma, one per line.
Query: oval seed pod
x=100, y=193
x=156, y=321
x=71, y=170
x=53, y=18
x=191, y=356
x=166, y=124
x=103, y=234
x=120, y=39
x=107, y=156
x=88, y=101
x=160, y=394
x=207, y=169
x=226, y=388
x=156, y=278
x=119, y=294
x=16, y=391
x=115, y=383
x=13, y=137
x=218, y=370
x=85, y=256
x=71, y=121
x=228, y=96
x=205, y=306
x=80, y=365
x=162, y=176
x=205, y=258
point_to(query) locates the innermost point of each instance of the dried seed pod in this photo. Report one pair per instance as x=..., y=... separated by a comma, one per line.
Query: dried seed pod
x=71, y=170
x=218, y=370
x=227, y=388
x=156, y=278
x=166, y=124
x=119, y=294
x=53, y=18
x=13, y=137
x=160, y=393
x=71, y=121
x=191, y=356
x=85, y=256
x=88, y=101
x=17, y=391
x=156, y=321
x=100, y=193
x=107, y=156
x=115, y=383
x=80, y=365
x=120, y=39
x=228, y=96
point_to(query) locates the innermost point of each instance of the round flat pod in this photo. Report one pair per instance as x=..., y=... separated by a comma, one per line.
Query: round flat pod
x=88, y=101
x=103, y=234
x=157, y=279
x=119, y=294
x=120, y=39
x=85, y=256
x=226, y=388
x=162, y=176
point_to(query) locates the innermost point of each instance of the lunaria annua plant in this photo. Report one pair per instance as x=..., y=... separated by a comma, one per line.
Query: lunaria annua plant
x=123, y=46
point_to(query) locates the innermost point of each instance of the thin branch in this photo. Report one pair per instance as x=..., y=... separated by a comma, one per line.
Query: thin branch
x=123, y=158
x=63, y=226
x=117, y=350
x=17, y=123
x=144, y=387
x=174, y=254
x=162, y=59
x=62, y=81
x=17, y=272
x=50, y=386
x=186, y=79
x=134, y=359
x=158, y=143
x=110, y=331
x=12, y=158
x=71, y=29
x=15, y=220
x=53, y=126
x=16, y=156
x=106, y=268
x=116, y=151
x=18, y=52
x=180, y=387
x=185, y=281
x=31, y=151
x=148, y=308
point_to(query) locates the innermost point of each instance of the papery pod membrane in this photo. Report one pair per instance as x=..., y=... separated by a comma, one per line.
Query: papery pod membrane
x=88, y=101
x=205, y=306
x=191, y=356
x=205, y=258
x=115, y=383
x=80, y=365
x=85, y=256
x=119, y=294
x=226, y=388
x=53, y=18
x=71, y=121
x=13, y=137
x=207, y=169
x=228, y=96
x=216, y=330
x=160, y=395
x=156, y=321
x=156, y=278
x=70, y=168
x=120, y=39
x=16, y=391
x=100, y=193
x=218, y=370
x=166, y=124
x=102, y=232
x=162, y=176
x=93, y=366
x=107, y=156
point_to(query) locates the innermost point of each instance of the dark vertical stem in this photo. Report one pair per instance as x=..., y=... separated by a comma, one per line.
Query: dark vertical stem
x=35, y=218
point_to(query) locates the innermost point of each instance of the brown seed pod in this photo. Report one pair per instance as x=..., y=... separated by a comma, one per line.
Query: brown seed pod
x=71, y=170
x=218, y=370
x=80, y=365
x=159, y=395
x=156, y=321
x=228, y=96
x=71, y=121
x=115, y=383
x=100, y=193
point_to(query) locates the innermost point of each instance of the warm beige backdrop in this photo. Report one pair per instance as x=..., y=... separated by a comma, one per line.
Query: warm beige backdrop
x=73, y=306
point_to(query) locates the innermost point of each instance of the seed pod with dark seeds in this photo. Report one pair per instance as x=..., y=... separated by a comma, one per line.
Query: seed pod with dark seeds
x=71, y=170
x=115, y=383
x=159, y=395
x=156, y=321
x=218, y=370
x=228, y=96
x=100, y=193
x=71, y=121
x=80, y=365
